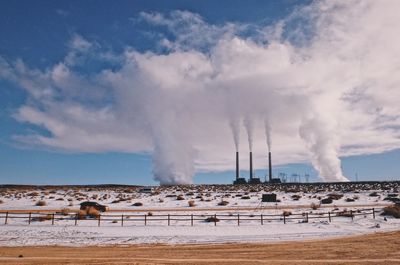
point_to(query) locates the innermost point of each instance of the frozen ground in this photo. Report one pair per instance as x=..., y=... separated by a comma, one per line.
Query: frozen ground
x=243, y=200
x=166, y=197
x=42, y=234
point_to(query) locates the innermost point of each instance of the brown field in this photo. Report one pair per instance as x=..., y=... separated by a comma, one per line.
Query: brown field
x=381, y=248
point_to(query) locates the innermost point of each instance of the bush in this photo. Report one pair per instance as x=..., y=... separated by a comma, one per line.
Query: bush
x=180, y=198
x=374, y=194
x=296, y=197
x=41, y=203
x=314, y=206
x=223, y=203
x=335, y=196
x=392, y=199
x=393, y=210
x=346, y=213
x=286, y=213
x=65, y=211
x=1, y=201
x=211, y=219
x=81, y=214
x=92, y=212
x=43, y=218
x=149, y=214
x=245, y=198
x=349, y=200
x=191, y=203
x=137, y=204
x=326, y=201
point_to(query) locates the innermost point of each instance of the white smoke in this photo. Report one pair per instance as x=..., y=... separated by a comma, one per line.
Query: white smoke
x=235, y=128
x=326, y=77
x=249, y=125
x=268, y=130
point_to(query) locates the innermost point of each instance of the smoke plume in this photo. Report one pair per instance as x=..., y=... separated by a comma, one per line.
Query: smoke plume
x=234, y=124
x=268, y=133
x=249, y=125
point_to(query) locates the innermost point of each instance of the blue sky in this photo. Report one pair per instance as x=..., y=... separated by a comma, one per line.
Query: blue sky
x=39, y=33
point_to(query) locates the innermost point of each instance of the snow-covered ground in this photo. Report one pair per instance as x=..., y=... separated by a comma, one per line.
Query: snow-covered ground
x=207, y=197
x=83, y=234
x=243, y=201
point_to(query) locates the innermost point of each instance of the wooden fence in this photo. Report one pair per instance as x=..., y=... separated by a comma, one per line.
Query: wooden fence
x=167, y=219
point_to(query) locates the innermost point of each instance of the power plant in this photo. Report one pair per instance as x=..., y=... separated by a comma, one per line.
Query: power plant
x=252, y=179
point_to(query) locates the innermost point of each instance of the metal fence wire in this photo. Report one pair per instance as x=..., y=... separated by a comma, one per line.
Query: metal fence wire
x=189, y=219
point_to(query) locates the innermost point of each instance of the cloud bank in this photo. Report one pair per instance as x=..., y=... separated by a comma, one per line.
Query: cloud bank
x=321, y=84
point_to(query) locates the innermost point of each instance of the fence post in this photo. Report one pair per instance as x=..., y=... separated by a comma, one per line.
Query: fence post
x=284, y=218
x=29, y=218
x=168, y=220
x=5, y=221
x=52, y=220
x=215, y=219
x=122, y=220
x=307, y=217
x=373, y=212
x=238, y=219
x=329, y=214
x=145, y=219
x=191, y=219
x=351, y=214
x=76, y=219
x=98, y=224
x=262, y=220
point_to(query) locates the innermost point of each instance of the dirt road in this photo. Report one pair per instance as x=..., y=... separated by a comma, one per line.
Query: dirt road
x=369, y=249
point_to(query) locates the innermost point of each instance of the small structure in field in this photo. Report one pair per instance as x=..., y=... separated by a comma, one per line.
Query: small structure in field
x=269, y=197
x=146, y=190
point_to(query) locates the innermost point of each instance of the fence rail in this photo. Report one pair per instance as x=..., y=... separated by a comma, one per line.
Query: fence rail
x=147, y=219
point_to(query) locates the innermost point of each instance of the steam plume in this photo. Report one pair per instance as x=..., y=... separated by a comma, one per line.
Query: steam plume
x=249, y=125
x=234, y=124
x=268, y=134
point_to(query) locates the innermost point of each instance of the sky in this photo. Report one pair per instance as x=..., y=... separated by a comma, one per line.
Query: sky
x=148, y=92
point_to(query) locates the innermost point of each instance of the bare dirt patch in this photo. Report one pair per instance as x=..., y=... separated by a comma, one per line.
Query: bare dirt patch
x=381, y=248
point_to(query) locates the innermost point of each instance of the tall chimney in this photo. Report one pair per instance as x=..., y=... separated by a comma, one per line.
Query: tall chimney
x=270, y=167
x=237, y=165
x=251, y=165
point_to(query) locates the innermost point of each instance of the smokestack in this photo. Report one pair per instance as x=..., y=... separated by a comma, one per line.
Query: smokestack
x=270, y=167
x=237, y=166
x=251, y=165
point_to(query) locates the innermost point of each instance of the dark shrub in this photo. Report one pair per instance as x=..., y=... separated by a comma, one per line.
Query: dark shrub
x=326, y=201
x=211, y=219
x=335, y=196
x=223, y=203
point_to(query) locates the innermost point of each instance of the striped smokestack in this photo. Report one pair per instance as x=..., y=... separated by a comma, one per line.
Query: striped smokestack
x=237, y=166
x=251, y=165
x=270, y=167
